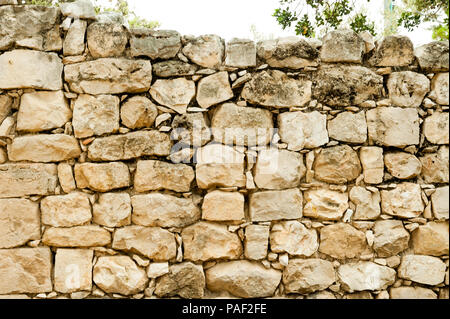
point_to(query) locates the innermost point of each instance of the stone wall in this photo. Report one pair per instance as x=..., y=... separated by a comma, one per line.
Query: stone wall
x=144, y=163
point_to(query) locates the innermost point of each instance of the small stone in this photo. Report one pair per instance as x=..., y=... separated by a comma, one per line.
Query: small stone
x=213, y=89
x=372, y=163
x=65, y=177
x=439, y=88
x=73, y=270
x=256, y=241
x=440, y=202
x=173, y=68
x=367, y=203
x=112, y=210
x=186, y=280
x=422, y=269
x=155, y=270
x=74, y=40
x=342, y=241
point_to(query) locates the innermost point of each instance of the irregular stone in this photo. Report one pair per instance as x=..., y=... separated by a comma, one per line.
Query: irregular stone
x=338, y=165
x=112, y=210
x=74, y=40
x=66, y=210
x=274, y=88
x=308, y=275
x=78, y=236
x=206, y=50
x=325, y=204
x=106, y=39
x=425, y=270
x=294, y=238
x=186, y=280
x=18, y=180
x=78, y=9
x=431, y=239
x=95, y=115
x=243, y=279
x=155, y=44
x=324, y=294
x=119, y=274
x=5, y=106
x=25, y=270
x=435, y=166
x=155, y=270
x=214, y=89
x=394, y=50
x=43, y=148
x=433, y=56
x=30, y=69
x=369, y=43
x=342, y=46
x=407, y=89
x=439, y=88
x=342, y=241
x=402, y=165
x=102, y=177
x=440, y=202
x=367, y=203
x=174, y=93
x=163, y=210
x=343, y=85
x=404, y=201
x=372, y=163
x=130, y=145
x=204, y=241
x=256, y=241
x=275, y=205
x=287, y=52
x=154, y=243
x=390, y=239
x=41, y=111
x=348, y=127
x=436, y=128
x=219, y=165
x=365, y=275
x=165, y=69
x=73, y=270
x=191, y=129
x=223, y=206
x=240, y=53
x=138, y=112
x=109, y=76
x=393, y=126
x=19, y=222
x=412, y=293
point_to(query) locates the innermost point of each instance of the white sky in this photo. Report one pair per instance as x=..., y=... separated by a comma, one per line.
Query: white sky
x=234, y=18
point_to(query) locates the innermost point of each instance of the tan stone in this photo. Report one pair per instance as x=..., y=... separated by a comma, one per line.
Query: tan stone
x=431, y=239
x=206, y=50
x=324, y=294
x=404, y=201
x=186, y=280
x=214, y=89
x=112, y=210
x=275, y=205
x=294, y=238
x=342, y=46
x=138, y=112
x=372, y=163
x=74, y=40
x=342, y=241
x=174, y=93
x=78, y=236
x=407, y=89
x=436, y=128
x=439, y=88
x=365, y=275
x=308, y=275
x=191, y=129
x=204, y=241
x=163, y=44
x=106, y=39
x=163, y=210
x=433, y=56
x=402, y=165
x=440, y=202
x=5, y=106
x=66, y=210
x=412, y=293
x=337, y=164
x=243, y=279
x=223, y=206
x=390, y=239
x=256, y=241
x=240, y=53
x=367, y=203
x=325, y=204
x=78, y=9
x=425, y=270
x=157, y=269
x=170, y=68
x=73, y=270
x=394, y=50
x=435, y=166
x=102, y=177
x=348, y=127
x=65, y=177
x=19, y=222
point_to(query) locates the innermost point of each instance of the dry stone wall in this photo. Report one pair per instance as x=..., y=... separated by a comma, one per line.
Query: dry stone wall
x=138, y=163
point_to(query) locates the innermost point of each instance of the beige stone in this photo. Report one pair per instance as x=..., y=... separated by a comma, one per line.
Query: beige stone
x=404, y=201
x=348, y=127
x=342, y=241
x=102, y=177
x=223, y=206
x=5, y=106
x=365, y=275
x=275, y=205
x=174, y=93
x=440, y=202
x=73, y=270
x=372, y=163
x=431, y=239
x=294, y=238
x=436, y=128
x=439, y=88
x=78, y=9
x=425, y=270
x=256, y=241
x=78, y=236
x=163, y=210
x=170, y=68
x=342, y=46
x=338, y=165
x=394, y=50
x=205, y=50
x=240, y=53
x=19, y=222
x=390, y=239
x=157, y=269
x=65, y=177
x=112, y=210
x=324, y=294
x=407, y=89
x=412, y=293
x=204, y=241
x=243, y=279
x=325, y=204
x=106, y=39
x=66, y=210
x=191, y=129
x=138, y=112
x=402, y=165
x=433, y=56
x=74, y=40
x=367, y=203
x=435, y=166
x=214, y=89
x=186, y=280
x=163, y=44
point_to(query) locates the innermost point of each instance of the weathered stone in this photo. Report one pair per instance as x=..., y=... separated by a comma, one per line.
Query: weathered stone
x=154, y=243
x=5, y=106
x=214, y=89
x=412, y=293
x=157, y=269
x=41, y=111
x=18, y=180
x=436, y=128
x=206, y=241
x=440, y=202
x=163, y=210
x=65, y=177
x=324, y=294
x=391, y=237
x=256, y=241
x=342, y=241
x=130, y=145
x=102, y=177
x=433, y=56
x=241, y=125
x=240, y=53
x=25, y=270
x=275, y=205
x=308, y=275
x=294, y=238
x=404, y=201
x=223, y=206
x=431, y=239
x=78, y=9
x=66, y=210
x=278, y=169
x=439, y=88
x=367, y=203
x=74, y=40
x=73, y=270
x=425, y=270
x=348, y=127
x=30, y=69
x=43, y=148
x=172, y=68
x=206, y=50
x=106, y=39
x=33, y=27
x=174, y=93
x=372, y=163
x=435, y=166
x=78, y=236
x=394, y=50
x=186, y=280
x=325, y=204
x=191, y=129
x=343, y=85
x=342, y=46
x=138, y=112
x=407, y=89
x=162, y=44
x=112, y=210
x=393, y=126
x=19, y=222
x=243, y=279
x=95, y=115
x=274, y=88
x=338, y=165
x=119, y=274
x=402, y=165
x=365, y=275
x=288, y=52
x=109, y=76
x=219, y=165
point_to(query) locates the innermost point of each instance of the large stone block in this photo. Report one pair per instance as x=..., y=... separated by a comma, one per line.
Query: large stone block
x=214, y=89
x=440, y=202
x=367, y=203
x=372, y=163
x=174, y=93
x=66, y=210
x=165, y=69
x=294, y=238
x=256, y=241
x=342, y=46
x=348, y=127
x=402, y=165
x=436, y=128
x=102, y=177
x=394, y=50
x=404, y=201
x=73, y=270
x=138, y=112
x=206, y=50
x=240, y=53
x=431, y=239
x=407, y=89
x=106, y=39
x=425, y=270
x=439, y=88
x=78, y=236
x=365, y=275
x=112, y=210
x=191, y=129
x=433, y=56
x=342, y=241
x=78, y=9
x=435, y=166
x=275, y=205
x=325, y=204
x=223, y=206
x=74, y=40
x=186, y=280
x=155, y=44
x=390, y=237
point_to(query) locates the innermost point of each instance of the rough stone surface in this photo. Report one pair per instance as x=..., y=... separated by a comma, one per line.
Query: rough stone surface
x=402, y=165
x=294, y=238
x=78, y=236
x=106, y=39
x=73, y=270
x=425, y=270
x=138, y=112
x=171, y=68
x=436, y=128
x=191, y=129
x=367, y=203
x=405, y=201
x=112, y=210
x=365, y=275
x=65, y=176
x=439, y=88
x=275, y=205
x=440, y=202
x=186, y=280
x=174, y=93
x=407, y=89
x=394, y=50
x=348, y=127
x=66, y=210
x=102, y=177
x=256, y=241
x=240, y=53
x=433, y=56
x=163, y=44
x=372, y=163
x=74, y=41
x=342, y=46
x=213, y=89
x=431, y=239
x=223, y=206
x=342, y=241
x=390, y=238
x=325, y=204
x=435, y=166
x=5, y=106
x=206, y=50
x=78, y=9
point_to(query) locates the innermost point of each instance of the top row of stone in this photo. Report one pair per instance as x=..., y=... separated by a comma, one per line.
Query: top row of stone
x=37, y=27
